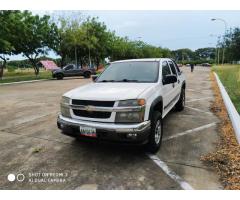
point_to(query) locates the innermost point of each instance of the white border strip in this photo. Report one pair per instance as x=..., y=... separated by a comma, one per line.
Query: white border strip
x=232, y=112
x=18, y=82
x=183, y=184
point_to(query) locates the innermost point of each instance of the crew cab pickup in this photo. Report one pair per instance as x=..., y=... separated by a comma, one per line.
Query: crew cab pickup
x=126, y=103
x=73, y=70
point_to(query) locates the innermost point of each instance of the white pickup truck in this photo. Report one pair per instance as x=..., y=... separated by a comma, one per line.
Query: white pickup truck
x=126, y=103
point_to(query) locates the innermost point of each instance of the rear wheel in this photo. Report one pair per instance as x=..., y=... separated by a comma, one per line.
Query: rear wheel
x=59, y=76
x=87, y=74
x=181, y=102
x=155, y=137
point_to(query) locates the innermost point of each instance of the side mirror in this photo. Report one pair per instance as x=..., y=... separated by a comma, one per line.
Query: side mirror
x=94, y=77
x=168, y=79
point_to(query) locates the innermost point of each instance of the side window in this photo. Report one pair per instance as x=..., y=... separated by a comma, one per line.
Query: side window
x=178, y=70
x=165, y=69
x=69, y=67
x=172, y=67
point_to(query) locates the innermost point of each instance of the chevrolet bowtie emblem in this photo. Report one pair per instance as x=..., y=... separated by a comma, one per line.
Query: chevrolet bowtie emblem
x=89, y=108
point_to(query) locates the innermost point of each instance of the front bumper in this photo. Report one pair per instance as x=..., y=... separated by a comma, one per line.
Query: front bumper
x=134, y=133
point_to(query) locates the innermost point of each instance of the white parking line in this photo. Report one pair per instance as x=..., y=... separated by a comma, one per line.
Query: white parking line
x=190, y=131
x=183, y=184
x=196, y=109
x=199, y=99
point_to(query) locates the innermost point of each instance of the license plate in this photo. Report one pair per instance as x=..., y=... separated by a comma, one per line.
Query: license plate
x=88, y=131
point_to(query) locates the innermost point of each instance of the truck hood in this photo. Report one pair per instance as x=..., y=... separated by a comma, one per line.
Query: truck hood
x=109, y=91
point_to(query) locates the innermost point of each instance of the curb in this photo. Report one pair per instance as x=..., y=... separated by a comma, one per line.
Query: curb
x=19, y=82
x=232, y=112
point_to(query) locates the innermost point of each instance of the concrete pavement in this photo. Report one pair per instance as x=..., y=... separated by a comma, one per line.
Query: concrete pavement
x=32, y=147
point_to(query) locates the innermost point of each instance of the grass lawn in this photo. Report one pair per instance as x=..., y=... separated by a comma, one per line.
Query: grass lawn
x=24, y=75
x=230, y=77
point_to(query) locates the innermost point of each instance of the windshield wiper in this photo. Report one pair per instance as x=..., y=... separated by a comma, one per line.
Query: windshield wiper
x=127, y=80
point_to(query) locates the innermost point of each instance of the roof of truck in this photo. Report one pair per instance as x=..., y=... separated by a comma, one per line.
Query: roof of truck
x=142, y=59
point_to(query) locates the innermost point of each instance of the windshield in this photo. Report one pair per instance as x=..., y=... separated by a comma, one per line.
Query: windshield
x=133, y=71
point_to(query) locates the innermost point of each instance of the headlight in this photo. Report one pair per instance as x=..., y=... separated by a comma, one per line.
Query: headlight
x=125, y=117
x=131, y=102
x=65, y=110
x=131, y=116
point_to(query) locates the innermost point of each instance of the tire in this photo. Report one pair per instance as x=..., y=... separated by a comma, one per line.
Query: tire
x=59, y=76
x=181, y=102
x=87, y=74
x=155, y=137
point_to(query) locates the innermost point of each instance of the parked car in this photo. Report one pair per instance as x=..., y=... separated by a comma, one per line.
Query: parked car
x=73, y=70
x=126, y=103
x=206, y=65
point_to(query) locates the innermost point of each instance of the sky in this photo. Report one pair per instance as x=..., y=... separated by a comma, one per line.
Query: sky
x=170, y=29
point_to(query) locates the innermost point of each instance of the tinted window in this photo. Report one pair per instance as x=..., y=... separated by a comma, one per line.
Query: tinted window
x=165, y=69
x=69, y=67
x=178, y=70
x=133, y=71
x=172, y=67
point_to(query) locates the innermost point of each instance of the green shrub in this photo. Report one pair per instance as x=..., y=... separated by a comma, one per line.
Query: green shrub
x=11, y=68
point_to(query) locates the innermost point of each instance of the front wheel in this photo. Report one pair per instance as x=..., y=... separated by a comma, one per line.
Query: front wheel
x=155, y=137
x=87, y=75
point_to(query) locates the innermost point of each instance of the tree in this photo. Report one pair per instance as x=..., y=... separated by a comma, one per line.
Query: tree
x=6, y=47
x=232, y=45
x=33, y=36
x=97, y=39
x=28, y=34
x=182, y=55
x=205, y=53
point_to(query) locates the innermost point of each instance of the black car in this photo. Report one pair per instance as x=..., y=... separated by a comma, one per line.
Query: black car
x=73, y=70
x=206, y=65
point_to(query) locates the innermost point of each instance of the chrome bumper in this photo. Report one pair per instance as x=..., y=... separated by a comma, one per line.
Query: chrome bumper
x=119, y=128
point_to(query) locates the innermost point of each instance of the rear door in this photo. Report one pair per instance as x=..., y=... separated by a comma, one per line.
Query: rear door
x=177, y=85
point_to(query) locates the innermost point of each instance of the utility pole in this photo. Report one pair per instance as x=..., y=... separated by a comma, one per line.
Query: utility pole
x=225, y=31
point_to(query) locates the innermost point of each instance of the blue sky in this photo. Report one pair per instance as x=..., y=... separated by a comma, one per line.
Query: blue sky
x=170, y=29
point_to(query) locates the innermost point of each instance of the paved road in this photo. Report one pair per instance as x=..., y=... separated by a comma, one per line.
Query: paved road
x=32, y=146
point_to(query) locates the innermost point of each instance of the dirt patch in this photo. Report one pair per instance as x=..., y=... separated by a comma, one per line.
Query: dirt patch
x=226, y=159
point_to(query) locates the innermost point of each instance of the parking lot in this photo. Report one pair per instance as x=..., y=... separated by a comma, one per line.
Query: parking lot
x=31, y=144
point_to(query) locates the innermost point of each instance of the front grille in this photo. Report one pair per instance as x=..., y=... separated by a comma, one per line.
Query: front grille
x=93, y=103
x=92, y=114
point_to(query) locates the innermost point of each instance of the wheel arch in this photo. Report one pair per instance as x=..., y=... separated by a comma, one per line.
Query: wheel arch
x=157, y=104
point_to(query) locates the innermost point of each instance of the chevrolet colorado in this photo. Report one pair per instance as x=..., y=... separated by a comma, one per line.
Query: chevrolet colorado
x=126, y=103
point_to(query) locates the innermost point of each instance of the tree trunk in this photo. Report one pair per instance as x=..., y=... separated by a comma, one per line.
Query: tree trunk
x=2, y=66
x=35, y=66
x=63, y=57
x=97, y=62
x=75, y=55
x=1, y=71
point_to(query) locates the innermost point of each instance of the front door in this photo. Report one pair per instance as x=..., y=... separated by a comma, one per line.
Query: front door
x=168, y=89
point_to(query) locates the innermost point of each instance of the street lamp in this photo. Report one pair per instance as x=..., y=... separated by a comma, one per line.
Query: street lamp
x=225, y=25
